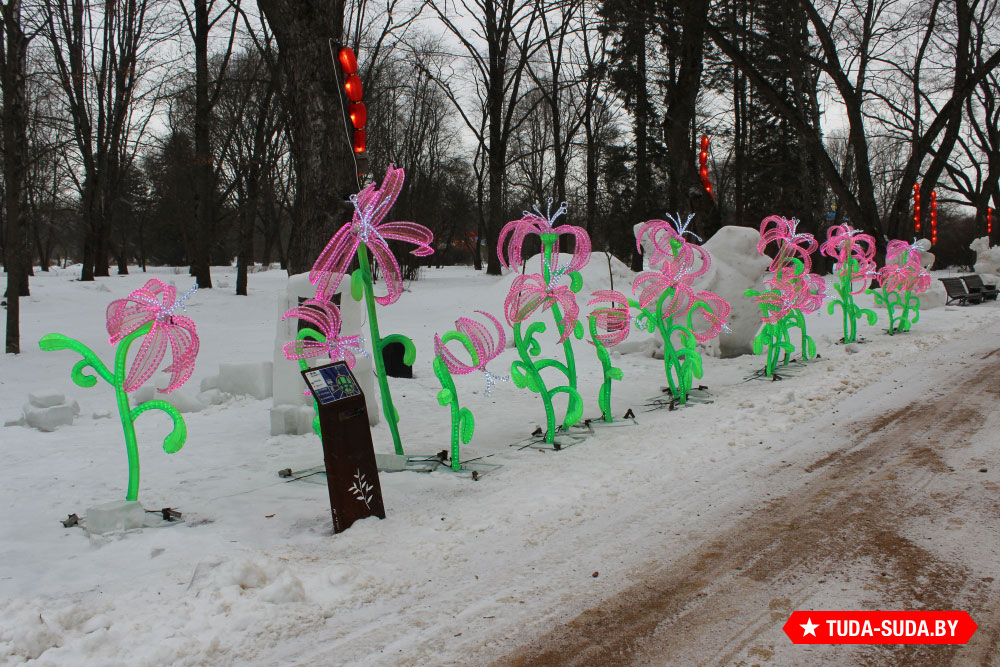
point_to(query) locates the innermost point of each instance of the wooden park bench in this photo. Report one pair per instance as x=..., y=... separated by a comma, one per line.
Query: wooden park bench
x=977, y=286
x=957, y=292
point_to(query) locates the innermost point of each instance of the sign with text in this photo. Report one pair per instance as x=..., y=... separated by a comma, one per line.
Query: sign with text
x=880, y=627
x=348, y=453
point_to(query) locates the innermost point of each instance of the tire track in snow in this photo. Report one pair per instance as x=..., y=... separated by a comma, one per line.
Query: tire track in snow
x=841, y=539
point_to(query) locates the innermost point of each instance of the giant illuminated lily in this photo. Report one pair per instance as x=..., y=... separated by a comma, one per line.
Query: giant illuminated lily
x=666, y=237
x=529, y=293
x=609, y=325
x=792, y=291
x=533, y=292
x=482, y=347
x=854, y=253
x=545, y=227
x=673, y=276
x=900, y=280
x=791, y=243
x=668, y=303
x=611, y=322
x=148, y=312
x=367, y=231
x=155, y=303
x=323, y=338
x=371, y=206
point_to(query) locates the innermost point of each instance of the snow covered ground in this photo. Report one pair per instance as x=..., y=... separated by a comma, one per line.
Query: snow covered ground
x=461, y=570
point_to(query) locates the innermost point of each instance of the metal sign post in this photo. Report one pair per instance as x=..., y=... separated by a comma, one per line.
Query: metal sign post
x=351, y=472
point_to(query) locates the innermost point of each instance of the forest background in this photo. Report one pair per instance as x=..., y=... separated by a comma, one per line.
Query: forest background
x=206, y=132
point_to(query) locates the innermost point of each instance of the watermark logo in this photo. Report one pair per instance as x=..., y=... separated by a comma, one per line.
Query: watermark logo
x=880, y=627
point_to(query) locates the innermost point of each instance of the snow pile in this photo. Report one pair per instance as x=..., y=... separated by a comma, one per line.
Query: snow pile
x=47, y=411
x=247, y=379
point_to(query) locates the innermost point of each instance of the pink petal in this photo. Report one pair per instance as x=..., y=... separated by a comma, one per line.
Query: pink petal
x=184, y=346
x=386, y=195
x=147, y=360
x=524, y=298
x=410, y=232
x=451, y=362
x=333, y=262
x=389, y=269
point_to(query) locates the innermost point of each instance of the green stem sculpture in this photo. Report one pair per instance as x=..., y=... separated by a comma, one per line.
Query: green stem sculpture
x=892, y=299
x=526, y=372
x=463, y=424
x=681, y=363
x=174, y=440
x=304, y=334
x=609, y=372
x=361, y=285
x=775, y=336
x=851, y=311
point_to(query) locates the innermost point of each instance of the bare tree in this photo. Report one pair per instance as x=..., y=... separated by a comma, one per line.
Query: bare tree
x=102, y=56
x=200, y=21
x=498, y=47
x=851, y=36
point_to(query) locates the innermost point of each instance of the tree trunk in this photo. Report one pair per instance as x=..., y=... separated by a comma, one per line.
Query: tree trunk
x=204, y=208
x=321, y=150
x=685, y=186
x=15, y=148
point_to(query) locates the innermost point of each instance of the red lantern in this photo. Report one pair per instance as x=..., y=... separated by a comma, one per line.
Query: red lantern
x=359, y=114
x=703, y=166
x=916, y=207
x=348, y=62
x=360, y=137
x=989, y=220
x=352, y=85
x=933, y=216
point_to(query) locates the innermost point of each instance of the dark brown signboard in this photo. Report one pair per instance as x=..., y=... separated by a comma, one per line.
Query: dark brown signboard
x=351, y=473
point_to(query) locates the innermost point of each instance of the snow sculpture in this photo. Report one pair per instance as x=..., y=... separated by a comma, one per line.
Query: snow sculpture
x=534, y=292
x=368, y=231
x=482, y=348
x=148, y=313
x=987, y=258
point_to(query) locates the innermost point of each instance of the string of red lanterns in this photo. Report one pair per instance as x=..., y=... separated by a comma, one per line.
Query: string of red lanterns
x=989, y=220
x=916, y=208
x=933, y=216
x=703, y=166
x=355, y=108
